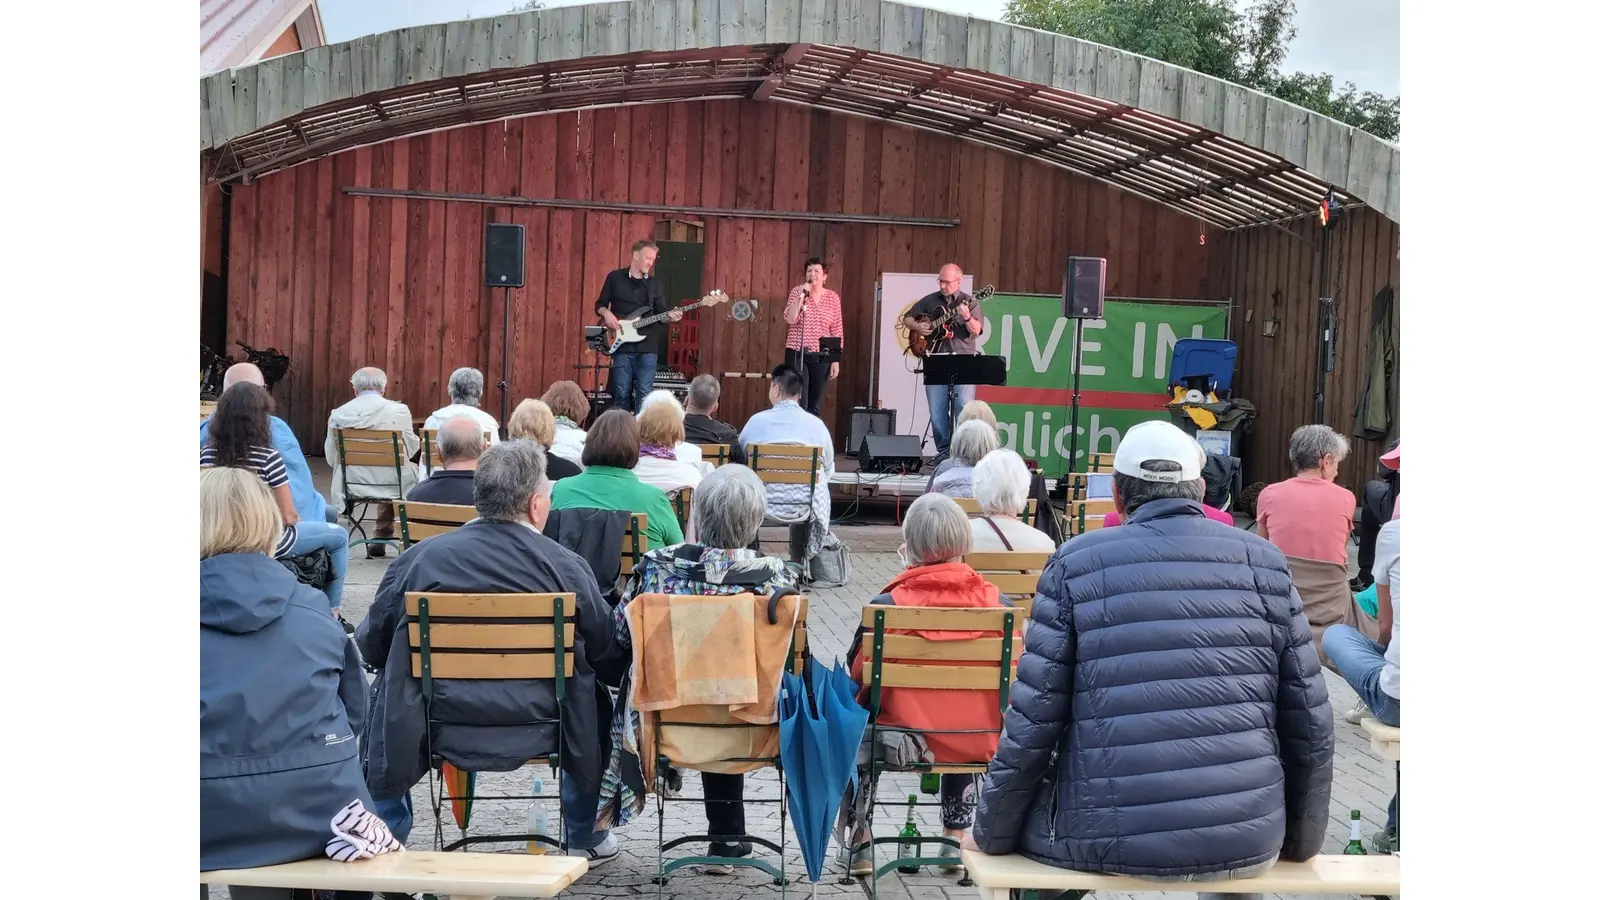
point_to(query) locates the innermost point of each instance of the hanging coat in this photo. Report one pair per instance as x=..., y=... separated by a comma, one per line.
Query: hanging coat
x=1372, y=410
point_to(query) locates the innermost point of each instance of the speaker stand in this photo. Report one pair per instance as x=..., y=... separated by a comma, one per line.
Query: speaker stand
x=1077, y=372
x=505, y=360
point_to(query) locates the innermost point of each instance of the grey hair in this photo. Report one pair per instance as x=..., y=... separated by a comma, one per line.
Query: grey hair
x=369, y=378
x=936, y=530
x=509, y=474
x=660, y=395
x=974, y=439
x=729, y=506
x=1310, y=443
x=466, y=386
x=1000, y=483
x=704, y=392
x=457, y=441
x=1136, y=492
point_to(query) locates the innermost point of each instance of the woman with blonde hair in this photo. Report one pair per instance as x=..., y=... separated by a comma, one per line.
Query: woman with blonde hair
x=660, y=432
x=282, y=696
x=570, y=405
x=532, y=420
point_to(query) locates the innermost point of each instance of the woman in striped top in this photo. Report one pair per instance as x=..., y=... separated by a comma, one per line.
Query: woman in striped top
x=241, y=437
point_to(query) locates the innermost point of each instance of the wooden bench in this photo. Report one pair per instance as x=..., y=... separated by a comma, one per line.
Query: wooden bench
x=1004, y=877
x=461, y=876
x=1385, y=740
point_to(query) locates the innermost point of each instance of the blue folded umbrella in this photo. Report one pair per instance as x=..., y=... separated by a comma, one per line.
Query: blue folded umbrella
x=820, y=726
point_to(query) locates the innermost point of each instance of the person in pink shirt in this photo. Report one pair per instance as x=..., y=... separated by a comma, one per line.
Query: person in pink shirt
x=1309, y=516
x=1212, y=513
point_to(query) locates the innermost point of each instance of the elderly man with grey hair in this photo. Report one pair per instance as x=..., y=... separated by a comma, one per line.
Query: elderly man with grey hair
x=1309, y=516
x=371, y=410
x=460, y=445
x=699, y=423
x=308, y=503
x=493, y=726
x=466, y=399
x=974, y=439
x=729, y=506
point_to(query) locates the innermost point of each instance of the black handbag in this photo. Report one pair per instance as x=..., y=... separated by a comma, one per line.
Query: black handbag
x=314, y=568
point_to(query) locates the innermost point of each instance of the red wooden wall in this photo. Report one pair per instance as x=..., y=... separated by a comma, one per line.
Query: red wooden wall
x=339, y=282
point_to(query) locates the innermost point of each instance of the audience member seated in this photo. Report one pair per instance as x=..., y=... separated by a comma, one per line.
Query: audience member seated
x=729, y=507
x=484, y=725
x=610, y=451
x=1309, y=516
x=975, y=410
x=699, y=424
x=571, y=406
x=1174, y=631
x=308, y=502
x=1377, y=507
x=1212, y=513
x=466, y=399
x=1000, y=484
x=460, y=441
x=787, y=423
x=282, y=695
x=936, y=538
x=370, y=410
x=660, y=431
x=973, y=440
x=682, y=449
x=241, y=438
x=532, y=420
x=1372, y=667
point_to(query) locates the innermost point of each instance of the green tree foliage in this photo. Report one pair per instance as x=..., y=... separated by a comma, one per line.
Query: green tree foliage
x=1218, y=38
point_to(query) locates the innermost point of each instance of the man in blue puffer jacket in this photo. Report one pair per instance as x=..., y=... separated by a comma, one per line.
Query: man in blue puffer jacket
x=1169, y=718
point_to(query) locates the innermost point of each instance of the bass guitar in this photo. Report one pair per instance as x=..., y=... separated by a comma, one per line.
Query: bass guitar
x=627, y=330
x=944, y=331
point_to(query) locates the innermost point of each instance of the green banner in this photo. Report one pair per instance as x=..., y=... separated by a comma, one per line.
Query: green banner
x=1124, y=361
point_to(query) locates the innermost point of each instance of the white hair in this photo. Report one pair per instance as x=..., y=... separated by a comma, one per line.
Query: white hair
x=974, y=439
x=1000, y=483
x=729, y=505
x=936, y=530
x=660, y=396
x=466, y=386
x=369, y=378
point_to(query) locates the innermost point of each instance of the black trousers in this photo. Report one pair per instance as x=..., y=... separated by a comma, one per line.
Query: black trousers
x=724, y=806
x=813, y=370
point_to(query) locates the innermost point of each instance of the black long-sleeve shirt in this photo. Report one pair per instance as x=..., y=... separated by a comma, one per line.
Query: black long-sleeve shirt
x=628, y=297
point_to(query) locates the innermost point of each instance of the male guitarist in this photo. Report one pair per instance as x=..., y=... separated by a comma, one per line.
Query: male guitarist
x=965, y=326
x=627, y=293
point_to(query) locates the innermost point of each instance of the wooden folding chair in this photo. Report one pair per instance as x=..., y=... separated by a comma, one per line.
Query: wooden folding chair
x=635, y=543
x=973, y=511
x=1014, y=572
x=1099, y=462
x=430, y=457
x=492, y=637
x=424, y=520
x=787, y=464
x=715, y=454
x=1087, y=515
x=682, y=498
x=913, y=661
x=374, y=449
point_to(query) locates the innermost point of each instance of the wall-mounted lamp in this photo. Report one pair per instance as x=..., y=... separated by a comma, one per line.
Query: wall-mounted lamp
x=1269, y=322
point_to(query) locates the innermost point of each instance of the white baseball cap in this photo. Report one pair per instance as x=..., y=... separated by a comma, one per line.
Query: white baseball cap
x=1156, y=440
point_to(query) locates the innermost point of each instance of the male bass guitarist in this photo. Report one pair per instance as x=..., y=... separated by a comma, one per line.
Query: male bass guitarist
x=958, y=335
x=628, y=292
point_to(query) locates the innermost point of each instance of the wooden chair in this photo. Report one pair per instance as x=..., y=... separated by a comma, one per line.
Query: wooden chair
x=714, y=454
x=424, y=520
x=1013, y=876
x=492, y=637
x=682, y=500
x=461, y=876
x=430, y=449
x=970, y=507
x=374, y=449
x=1087, y=515
x=914, y=661
x=1014, y=572
x=208, y=408
x=635, y=543
x=1099, y=462
x=788, y=464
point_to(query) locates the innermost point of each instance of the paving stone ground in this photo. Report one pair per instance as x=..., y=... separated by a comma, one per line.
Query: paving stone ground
x=1361, y=780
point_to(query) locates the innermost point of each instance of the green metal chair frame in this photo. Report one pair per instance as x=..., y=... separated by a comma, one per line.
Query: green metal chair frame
x=369, y=457
x=878, y=616
x=682, y=500
x=426, y=610
x=416, y=520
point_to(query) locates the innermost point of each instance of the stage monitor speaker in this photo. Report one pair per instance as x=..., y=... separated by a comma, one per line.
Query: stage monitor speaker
x=502, y=255
x=865, y=420
x=1084, y=291
x=891, y=453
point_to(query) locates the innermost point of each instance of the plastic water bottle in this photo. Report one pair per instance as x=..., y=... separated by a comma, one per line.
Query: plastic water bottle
x=538, y=818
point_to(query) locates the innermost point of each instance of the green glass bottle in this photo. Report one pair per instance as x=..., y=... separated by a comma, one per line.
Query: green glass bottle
x=930, y=784
x=909, y=847
x=1354, y=847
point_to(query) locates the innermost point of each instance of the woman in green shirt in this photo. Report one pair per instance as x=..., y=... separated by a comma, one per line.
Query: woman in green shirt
x=607, y=481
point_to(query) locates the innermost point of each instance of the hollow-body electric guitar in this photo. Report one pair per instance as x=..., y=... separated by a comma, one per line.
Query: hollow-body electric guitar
x=919, y=345
x=627, y=331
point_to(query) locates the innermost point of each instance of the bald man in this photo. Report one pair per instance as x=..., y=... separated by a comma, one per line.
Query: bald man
x=460, y=445
x=371, y=410
x=966, y=325
x=310, y=505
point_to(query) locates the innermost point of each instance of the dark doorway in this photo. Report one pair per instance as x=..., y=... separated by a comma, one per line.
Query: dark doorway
x=678, y=267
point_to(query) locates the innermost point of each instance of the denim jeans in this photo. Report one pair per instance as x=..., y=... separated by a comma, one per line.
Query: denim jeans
x=395, y=813
x=632, y=376
x=310, y=536
x=1360, y=662
x=579, y=809
x=940, y=413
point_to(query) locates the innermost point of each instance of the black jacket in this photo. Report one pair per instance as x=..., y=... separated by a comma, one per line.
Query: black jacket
x=702, y=429
x=1169, y=715
x=595, y=535
x=484, y=726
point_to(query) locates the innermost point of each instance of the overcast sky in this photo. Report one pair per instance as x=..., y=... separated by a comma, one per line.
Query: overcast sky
x=1356, y=40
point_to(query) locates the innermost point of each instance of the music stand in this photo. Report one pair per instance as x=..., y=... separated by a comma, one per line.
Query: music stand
x=952, y=369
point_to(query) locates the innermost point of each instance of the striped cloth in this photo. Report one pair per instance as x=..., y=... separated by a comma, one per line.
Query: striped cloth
x=268, y=464
x=359, y=834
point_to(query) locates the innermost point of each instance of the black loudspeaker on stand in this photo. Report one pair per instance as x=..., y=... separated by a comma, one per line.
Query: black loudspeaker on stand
x=1083, y=296
x=503, y=245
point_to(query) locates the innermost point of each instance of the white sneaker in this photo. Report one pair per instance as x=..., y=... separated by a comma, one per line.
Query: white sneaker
x=1355, y=716
x=600, y=854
